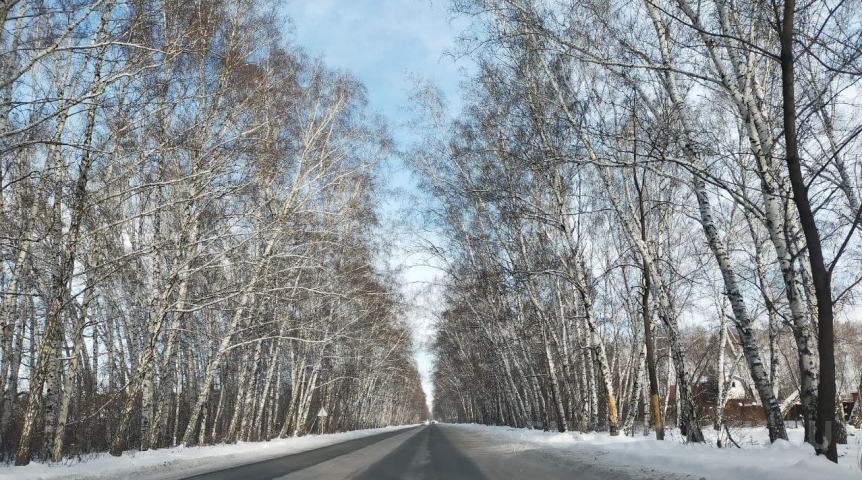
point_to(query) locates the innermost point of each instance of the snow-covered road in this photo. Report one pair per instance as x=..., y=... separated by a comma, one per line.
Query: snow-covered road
x=476, y=452
x=439, y=452
x=479, y=452
x=174, y=463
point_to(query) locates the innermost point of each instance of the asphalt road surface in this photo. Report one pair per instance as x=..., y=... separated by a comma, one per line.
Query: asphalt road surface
x=435, y=452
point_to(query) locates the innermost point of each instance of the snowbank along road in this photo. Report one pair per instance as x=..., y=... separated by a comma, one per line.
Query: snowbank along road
x=438, y=452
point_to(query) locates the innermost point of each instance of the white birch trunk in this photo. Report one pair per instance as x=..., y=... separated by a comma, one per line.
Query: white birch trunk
x=637, y=386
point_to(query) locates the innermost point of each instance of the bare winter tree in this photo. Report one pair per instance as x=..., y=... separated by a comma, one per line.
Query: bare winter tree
x=187, y=240
x=575, y=99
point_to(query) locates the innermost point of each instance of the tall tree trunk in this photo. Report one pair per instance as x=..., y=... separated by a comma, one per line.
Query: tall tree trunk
x=598, y=346
x=720, y=382
x=649, y=329
x=74, y=361
x=47, y=367
x=772, y=411
x=825, y=441
x=562, y=424
x=634, y=400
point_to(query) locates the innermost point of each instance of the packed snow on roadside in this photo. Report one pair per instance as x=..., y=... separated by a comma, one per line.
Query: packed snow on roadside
x=755, y=459
x=179, y=462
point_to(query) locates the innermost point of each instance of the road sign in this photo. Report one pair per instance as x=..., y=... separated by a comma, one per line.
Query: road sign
x=322, y=413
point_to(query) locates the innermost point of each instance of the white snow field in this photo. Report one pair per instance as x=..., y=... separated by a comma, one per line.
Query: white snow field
x=179, y=462
x=645, y=457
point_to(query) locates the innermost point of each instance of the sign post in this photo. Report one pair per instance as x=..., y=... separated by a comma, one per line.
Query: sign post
x=321, y=417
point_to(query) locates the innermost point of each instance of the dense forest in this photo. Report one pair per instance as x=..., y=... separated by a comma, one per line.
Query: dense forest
x=646, y=215
x=188, y=244
x=646, y=209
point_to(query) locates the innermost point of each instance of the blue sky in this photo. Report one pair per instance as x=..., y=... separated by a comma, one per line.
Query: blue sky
x=382, y=42
x=385, y=43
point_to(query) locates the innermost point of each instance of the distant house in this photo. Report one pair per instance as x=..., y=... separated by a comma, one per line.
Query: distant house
x=736, y=388
x=848, y=401
x=742, y=402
